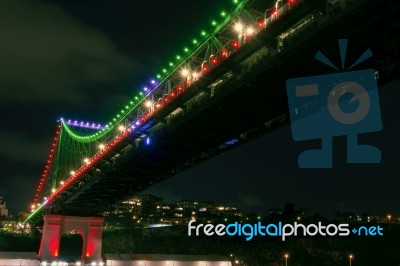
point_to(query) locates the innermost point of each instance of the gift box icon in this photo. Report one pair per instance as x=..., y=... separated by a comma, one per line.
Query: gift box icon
x=339, y=104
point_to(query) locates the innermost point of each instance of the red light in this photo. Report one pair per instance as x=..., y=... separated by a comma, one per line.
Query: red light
x=235, y=44
x=204, y=67
x=224, y=53
x=180, y=88
x=260, y=23
x=214, y=60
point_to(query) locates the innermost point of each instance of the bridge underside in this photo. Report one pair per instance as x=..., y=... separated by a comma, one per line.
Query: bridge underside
x=233, y=105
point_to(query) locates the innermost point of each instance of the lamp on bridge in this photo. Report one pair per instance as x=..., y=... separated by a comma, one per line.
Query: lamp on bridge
x=148, y=104
x=121, y=128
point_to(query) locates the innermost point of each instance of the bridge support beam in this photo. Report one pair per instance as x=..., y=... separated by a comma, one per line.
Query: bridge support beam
x=55, y=226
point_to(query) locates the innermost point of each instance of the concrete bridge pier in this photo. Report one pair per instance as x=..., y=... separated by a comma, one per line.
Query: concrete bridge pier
x=55, y=226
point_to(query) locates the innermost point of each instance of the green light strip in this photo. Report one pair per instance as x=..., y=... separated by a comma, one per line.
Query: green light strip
x=205, y=40
x=124, y=113
x=34, y=213
x=110, y=126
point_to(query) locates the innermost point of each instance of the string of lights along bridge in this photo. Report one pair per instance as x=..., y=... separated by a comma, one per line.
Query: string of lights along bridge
x=78, y=145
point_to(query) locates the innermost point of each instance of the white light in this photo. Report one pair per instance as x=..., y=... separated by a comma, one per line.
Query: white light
x=185, y=72
x=72, y=172
x=44, y=263
x=53, y=190
x=86, y=160
x=121, y=128
x=93, y=263
x=78, y=263
x=101, y=146
x=238, y=27
x=54, y=263
x=101, y=263
x=250, y=30
x=195, y=75
x=61, y=182
x=148, y=103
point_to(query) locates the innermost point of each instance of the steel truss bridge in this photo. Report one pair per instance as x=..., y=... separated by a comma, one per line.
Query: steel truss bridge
x=228, y=89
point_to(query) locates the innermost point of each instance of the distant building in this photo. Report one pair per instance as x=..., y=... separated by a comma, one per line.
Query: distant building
x=149, y=210
x=144, y=206
x=3, y=208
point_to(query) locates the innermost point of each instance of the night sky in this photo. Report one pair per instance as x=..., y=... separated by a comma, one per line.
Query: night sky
x=85, y=59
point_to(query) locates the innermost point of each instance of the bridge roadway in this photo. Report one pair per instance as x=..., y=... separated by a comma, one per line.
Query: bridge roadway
x=242, y=99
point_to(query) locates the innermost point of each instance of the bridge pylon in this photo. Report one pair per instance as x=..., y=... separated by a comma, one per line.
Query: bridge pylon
x=55, y=226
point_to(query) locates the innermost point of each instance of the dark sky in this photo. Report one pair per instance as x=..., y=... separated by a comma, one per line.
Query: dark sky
x=85, y=59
